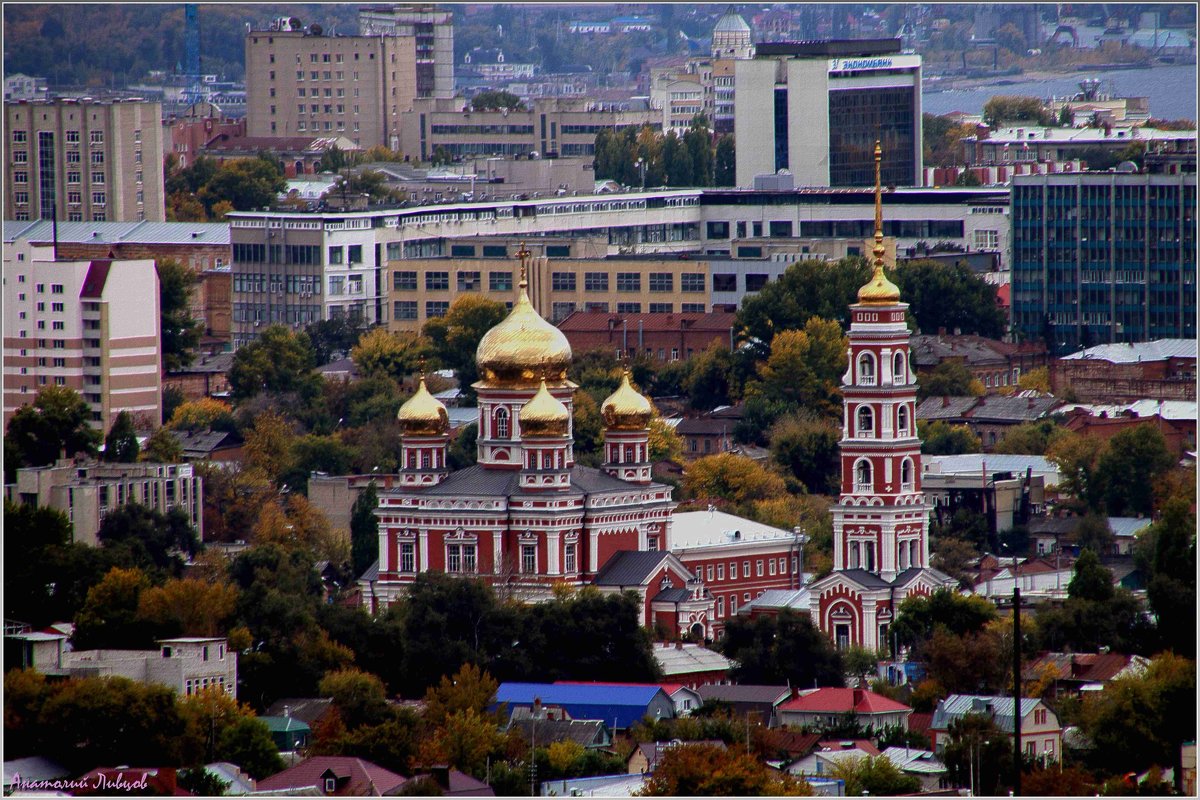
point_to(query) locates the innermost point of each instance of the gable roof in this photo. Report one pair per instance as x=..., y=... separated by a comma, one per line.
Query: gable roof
x=998, y=408
x=363, y=777
x=306, y=709
x=632, y=567
x=620, y=706
x=999, y=709
x=832, y=700
x=745, y=693
x=944, y=408
x=917, y=761
x=1125, y=353
x=688, y=659
x=584, y=732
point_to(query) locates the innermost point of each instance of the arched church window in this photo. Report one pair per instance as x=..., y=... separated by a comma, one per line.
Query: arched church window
x=866, y=369
x=902, y=419
x=862, y=476
x=906, y=474
x=866, y=420
x=899, y=373
x=501, y=423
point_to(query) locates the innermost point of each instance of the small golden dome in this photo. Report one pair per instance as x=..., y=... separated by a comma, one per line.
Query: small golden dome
x=544, y=415
x=423, y=414
x=626, y=409
x=879, y=291
x=523, y=347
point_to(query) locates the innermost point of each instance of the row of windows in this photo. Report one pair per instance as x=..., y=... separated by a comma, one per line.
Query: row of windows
x=771, y=566
x=72, y=137
x=463, y=558
x=261, y=282
x=301, y=254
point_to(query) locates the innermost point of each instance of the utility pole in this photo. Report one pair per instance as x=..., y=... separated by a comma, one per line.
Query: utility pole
x=1016, y=679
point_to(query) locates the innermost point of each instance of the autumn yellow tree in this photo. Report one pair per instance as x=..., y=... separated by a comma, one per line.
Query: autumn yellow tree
x=806, y=366
x=665, y=443
x=188, y=607
x=198, y=415
x=269, y=444
x=380, y=353
x=731, y=477
x=298, y=523
x=1035, y=379
x=469, y=688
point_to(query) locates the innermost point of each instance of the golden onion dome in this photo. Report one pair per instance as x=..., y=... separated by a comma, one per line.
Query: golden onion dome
x=626, y=409
x=879, y=291
x=523, y=347
x=423, y=414
x=544, y=415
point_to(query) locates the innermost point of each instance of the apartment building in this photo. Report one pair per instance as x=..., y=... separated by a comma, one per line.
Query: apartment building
x=560, y=126
x=186, y=665
x=432, y=30
x=300, y=81
x=83, y=160
x=86, y=491
x=92, y=325
x=1104, y=257
x=1014, y=145
x=817, y=108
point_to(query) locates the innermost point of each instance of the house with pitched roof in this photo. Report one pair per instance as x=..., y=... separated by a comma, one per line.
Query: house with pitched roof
x=756, y=702
x=1041, y=733
x=828, y=755
x=645, y=758
x=827, y=706
x=921, y=764
x=685, y=698
x=691, y=664
x=1075, y=673
x=617, y=706
x=334, y=776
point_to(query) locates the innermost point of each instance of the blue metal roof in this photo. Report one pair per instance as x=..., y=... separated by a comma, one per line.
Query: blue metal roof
x=620, y=706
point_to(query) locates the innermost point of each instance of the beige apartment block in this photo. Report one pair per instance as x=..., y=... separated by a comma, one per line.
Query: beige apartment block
x=82, y=160
x=567, y=127
x=433, y=30
x=90, y=325
x=303, y=83
x=423, y=288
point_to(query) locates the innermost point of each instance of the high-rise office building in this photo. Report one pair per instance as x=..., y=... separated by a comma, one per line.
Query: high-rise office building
x=433, y=32
x=817, y=108
x=1103, y=257
x=80, y=160
x=300, y=81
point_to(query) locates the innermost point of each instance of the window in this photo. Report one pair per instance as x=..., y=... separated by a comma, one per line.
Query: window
x=330, y=785
x=780, y=229
x=499, y=281
x=691, y=282
x=771, y=566
x=902, y=419
x=20, y=177
x=629, y=282
x=595, y=281
x=20, y=157
x=569, y=558
x=97, y=177
x=73, y=157
x=21, y=198
x=561, y=311
x=662, y=308
x=558, y=250
x=661, y=282
x=73, y=177
x=73, y=137
x=528, y=559
x=726, y=282
x=717, y=230
x=755, y=281
x=745, y=569
x=437, y=280
x=862, y=476
x=500, y=424
x=495, y=251
x=906, y=474
x=336, y=254
x=404, y=309
x=20, y=137
x=462, y=250
x=468, y=281
x=562, y=281
x=733, y=572
x=629, y=308
x=899, y=374
x=460, y=558
x=866, y=369
x=97, y=156
x=721, y=606
x=96, y=137
x=404, y=281
x=732, y=605
x=866, y=420
x=436, y=308
x=758, y=568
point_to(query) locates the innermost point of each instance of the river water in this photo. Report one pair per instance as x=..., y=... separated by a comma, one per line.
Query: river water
x=1171, y=89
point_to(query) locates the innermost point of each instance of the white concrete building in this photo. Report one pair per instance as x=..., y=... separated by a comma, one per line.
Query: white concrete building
x=187, y=665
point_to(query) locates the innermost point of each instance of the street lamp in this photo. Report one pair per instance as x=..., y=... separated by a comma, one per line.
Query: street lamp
x=641, y=165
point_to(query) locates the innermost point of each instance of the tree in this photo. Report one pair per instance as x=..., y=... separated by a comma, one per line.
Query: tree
x=471, y=688
x=1036, y=380
x=333, y=338
x=978, y=753
x=382, y=353
x=921, y=615
x=1004, y=109
x=108, y=618
x=1077, y=458
x=1129, y=469
x=708, y=770
x=466, y=741
x=1094, y=534
x=121, y=444
x=188, y=607
x=269, y=444
x=58, y=423
x=759, y=414
x=277, y=361
x=492, y=100
x=454, y=338
x=587, y=425
x=786, y=648
x=708, y=385
x=202, y=414
x=180, y=333
x=364, y=529
x=202, y=783
x=665, y=443
x=146, y=538
x=806, y=289
x=463, y=451
x=246, y=183
x=947, y=379
x=807, y=448
x=732, y=477
x=359, y=696
x=805, y=367
x=1031, y=438
x=248, y=743
x=725, y=167
x=162, y=448
x=874, y=775
x=940, y=438
x=1172, y=587
x=950, y=297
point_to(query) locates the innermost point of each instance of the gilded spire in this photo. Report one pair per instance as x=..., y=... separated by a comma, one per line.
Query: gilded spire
x=626, y=409
x=523, y=254
x=879, y=290
x=423, y=414
x=544, y=415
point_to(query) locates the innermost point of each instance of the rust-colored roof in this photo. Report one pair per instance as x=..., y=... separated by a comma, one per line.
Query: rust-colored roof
x=355, y=777
x=841, y=701
x=97, y=276
x=591, y=321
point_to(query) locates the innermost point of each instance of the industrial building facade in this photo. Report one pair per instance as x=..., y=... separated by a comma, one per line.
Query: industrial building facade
x=1104, y=257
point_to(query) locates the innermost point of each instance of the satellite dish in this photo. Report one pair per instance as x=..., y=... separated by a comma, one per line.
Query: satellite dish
x=294, y=23
x=315, y=29
x=1127, y=166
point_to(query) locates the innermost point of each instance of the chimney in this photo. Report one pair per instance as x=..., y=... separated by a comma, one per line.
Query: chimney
x=679, y=645
x=858, y=697
x=945, y=401
x=1030, y=403
x=287, y=711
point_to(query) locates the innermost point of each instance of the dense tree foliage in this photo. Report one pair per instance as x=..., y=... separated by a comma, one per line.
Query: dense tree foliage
x=56, y=424
x=364, y=529
x=784, y=649
x=278, y=361
x=950, y=297
x=940, y=438
x=454, y=337
x=702, y=770
x=180, y=333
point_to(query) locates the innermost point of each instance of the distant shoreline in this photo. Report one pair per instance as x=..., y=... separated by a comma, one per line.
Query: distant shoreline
x=946, y=83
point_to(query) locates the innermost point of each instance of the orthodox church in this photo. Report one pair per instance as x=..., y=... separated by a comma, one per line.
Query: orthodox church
x=881, y=519
x=526, y=516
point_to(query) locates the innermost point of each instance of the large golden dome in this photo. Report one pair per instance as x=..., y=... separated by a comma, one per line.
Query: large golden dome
x=879, y=291
x=544, y=415
x=423, y=414
x=518, y=351
x=626, y=409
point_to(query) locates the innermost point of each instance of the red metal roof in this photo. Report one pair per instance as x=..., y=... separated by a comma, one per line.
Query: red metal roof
x=840, y=701
x=362, y=777
x=97, y=275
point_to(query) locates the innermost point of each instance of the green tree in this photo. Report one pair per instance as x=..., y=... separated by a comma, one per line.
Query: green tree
x=874, y=775
x=677, y=161
x=725, y=166
x=1172, y=586
x=463, y=452
x=331, y=339
x=1077, y=458
x=1005, y=109
x=1031, y=438
x=454, y=338
x=364, y=529
x=947, y=379
x=492, y=100
x=180, y=333
x=1094, y=534
x=359, y=696
x=921, y=615
x=805, y=367
x=759, y=414
x=162, y=448
x=698, y=143
x=382, y=353
x=202, y=783
x=786, y=648
x=277, y=361
x=1130, y=467
x=940, y=438
x=109, y=618
x=950, y=297
x=248, y=743
x=708, y=383
x=978, y=753
x=246, y=183
x=56, y=424
x=806, y=289
x=121, y=444
x=806, y=447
